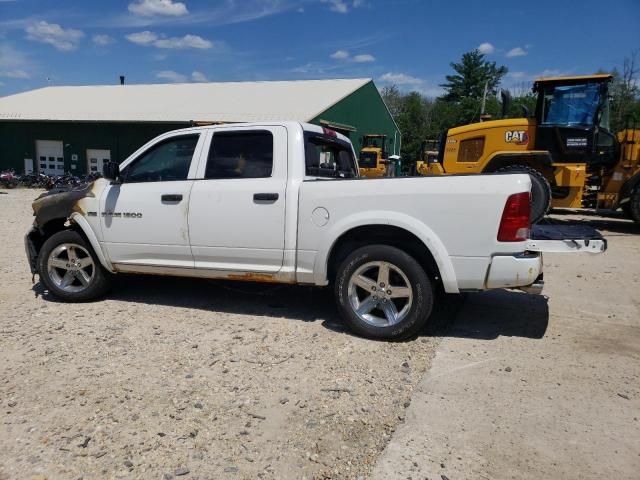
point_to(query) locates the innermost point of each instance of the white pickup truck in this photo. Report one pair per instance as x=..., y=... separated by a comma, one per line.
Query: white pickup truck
x=282, y=202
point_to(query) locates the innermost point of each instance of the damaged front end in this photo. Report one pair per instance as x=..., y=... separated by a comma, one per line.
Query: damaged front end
x=52, y=211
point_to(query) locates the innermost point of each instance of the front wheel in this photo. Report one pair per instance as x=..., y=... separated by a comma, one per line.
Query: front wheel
x=383, y=293
x=70, y=269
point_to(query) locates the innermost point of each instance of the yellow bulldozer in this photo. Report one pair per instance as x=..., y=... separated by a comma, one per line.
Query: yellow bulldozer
x=567, y=148
x=375, y=160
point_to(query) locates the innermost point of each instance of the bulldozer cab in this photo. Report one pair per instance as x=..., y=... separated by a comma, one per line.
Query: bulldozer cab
x=374, y=160
x=572, y=116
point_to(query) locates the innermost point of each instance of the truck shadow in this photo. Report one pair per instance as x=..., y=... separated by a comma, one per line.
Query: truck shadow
x=491, y=314
x=483, y=315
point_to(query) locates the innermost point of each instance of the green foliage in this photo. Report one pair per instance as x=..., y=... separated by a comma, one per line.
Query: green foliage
x=420, y=118
x=472, y=73
x=625, y=95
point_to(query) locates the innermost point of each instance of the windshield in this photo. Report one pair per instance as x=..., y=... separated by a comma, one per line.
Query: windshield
x=327, y=156
x=571, y=104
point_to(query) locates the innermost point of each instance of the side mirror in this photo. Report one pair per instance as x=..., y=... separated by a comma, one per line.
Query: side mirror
x=111, y=170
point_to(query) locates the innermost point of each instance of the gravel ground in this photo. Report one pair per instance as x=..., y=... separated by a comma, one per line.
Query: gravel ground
x=189, y=378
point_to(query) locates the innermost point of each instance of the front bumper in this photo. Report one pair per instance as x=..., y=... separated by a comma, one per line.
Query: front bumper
x=516, y=271
x=31, y=249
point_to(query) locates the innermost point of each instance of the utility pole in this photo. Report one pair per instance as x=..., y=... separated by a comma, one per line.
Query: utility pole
x=484, y=99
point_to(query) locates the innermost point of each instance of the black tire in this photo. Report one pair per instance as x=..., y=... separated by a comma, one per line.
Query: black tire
x=540, y=190
x=422, y=293
x=96, y=286
x=634, y=205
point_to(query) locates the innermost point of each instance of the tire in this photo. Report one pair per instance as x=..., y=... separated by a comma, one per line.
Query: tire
x=362, y=284
x=540, y=190
x=80, y=281
x=634, y=205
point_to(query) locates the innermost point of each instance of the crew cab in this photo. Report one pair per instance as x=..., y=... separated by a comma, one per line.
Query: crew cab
x=282, y=202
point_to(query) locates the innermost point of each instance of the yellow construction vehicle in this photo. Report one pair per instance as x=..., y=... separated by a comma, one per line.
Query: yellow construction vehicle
x=573, y=158
x=428, y=155
x=374, y=159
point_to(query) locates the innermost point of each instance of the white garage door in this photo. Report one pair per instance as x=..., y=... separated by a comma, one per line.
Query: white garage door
x=96, y=159
x=50, y=157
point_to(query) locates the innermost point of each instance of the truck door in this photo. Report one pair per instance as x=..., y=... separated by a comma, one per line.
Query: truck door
x=237, y=206
x=144, y=218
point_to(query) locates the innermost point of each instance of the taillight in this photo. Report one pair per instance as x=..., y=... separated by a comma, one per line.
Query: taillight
x=514, y=225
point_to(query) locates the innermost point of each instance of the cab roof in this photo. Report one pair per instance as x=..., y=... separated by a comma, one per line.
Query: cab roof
x=601, y=77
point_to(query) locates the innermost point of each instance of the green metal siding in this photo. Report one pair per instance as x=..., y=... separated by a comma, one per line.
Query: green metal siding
x=365, y=110
x=18, y=140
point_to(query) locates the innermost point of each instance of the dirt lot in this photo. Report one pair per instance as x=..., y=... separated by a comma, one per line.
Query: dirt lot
x=225, y=380
x=535, y=387
x=230, y=380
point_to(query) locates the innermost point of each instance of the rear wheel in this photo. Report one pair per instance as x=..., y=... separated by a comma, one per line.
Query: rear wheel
x=540, y=190
x=69, y=268
x=383, y=293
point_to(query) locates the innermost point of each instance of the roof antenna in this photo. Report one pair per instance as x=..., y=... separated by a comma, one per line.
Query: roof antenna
x=121, y=79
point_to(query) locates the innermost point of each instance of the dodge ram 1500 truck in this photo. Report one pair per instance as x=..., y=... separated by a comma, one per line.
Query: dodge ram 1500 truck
x=282, y=202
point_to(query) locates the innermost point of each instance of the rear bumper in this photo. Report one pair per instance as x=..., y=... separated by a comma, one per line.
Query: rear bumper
x=515, y=271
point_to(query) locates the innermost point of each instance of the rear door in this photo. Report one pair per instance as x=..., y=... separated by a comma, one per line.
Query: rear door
x=144, y=218
x=237, y=206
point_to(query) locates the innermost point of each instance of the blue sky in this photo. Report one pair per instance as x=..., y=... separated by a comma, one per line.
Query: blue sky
x=406, y=42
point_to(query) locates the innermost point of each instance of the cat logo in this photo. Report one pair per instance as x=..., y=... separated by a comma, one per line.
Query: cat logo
x=519, y=137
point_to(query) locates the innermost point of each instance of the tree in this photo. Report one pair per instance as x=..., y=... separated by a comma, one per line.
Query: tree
x=393, y=99
x=625, y=108
x=472, y=73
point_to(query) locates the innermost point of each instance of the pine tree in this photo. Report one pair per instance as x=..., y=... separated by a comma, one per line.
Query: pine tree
x=472, y=73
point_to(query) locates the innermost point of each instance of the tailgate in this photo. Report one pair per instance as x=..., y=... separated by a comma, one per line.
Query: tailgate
x=562, y=238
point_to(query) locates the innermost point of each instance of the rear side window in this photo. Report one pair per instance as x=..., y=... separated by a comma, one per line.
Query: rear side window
x=328, y=157
x=166, y=161
x=240, y=155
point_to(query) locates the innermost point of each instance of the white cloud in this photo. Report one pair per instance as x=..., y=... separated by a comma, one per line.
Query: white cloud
x=148, y=38
x=516, y=52
x=340, y=55
x=188, y=41
x=53, y=34
x=344, y=55
x=198, y=77
x=343, y=6
x=486, y=48
x=142, y=38
x=364, y=58
x=152, y=8
x=14, y=74
x=171, y=76
x=14, y=63
x=518, y=75
x=400, y=79
x=409, y=82
x=100, y=39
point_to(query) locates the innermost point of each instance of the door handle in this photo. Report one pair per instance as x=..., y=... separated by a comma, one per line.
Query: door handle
x=265, y=197
x=171, y=198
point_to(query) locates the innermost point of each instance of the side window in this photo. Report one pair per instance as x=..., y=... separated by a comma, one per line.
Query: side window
x=240, y=155
x=164, y=162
